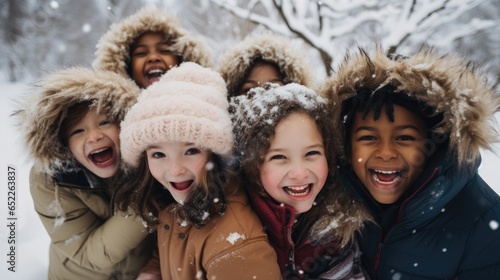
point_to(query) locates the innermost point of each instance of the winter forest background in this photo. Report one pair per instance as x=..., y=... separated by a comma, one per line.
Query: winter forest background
x=40, y=36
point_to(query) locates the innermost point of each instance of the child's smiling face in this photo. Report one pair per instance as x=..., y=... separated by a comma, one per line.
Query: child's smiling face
x=388, y=156
x=151, y=57
x=295, y=169
x=177, y=166
x=94, y=142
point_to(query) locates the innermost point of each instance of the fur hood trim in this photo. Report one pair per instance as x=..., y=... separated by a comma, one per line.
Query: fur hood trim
x=42, y=113
x=291, y=59
x=113, y=49
x=446, y=83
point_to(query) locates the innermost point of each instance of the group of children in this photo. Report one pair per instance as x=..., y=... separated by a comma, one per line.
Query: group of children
x=152, y=165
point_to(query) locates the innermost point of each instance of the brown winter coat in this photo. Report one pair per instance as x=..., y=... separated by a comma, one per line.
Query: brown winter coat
x=233, y=246
x=91, y=242
x=113, y=49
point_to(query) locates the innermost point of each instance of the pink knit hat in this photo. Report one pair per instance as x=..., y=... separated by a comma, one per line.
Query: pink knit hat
x=188, y=104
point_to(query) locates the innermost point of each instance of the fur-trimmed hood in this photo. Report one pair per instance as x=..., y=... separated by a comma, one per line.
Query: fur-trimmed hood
x=41, y=114
x=290, y=58
x=113, y=49
x=446, y=83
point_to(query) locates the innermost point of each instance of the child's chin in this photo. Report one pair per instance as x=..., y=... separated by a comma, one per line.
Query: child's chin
x=106, y=172
x=302, y=208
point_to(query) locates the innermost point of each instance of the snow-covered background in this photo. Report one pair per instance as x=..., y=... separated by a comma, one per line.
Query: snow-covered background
x=37, y=36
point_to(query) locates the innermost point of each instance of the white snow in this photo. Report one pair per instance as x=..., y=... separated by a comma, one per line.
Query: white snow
x=32, y=241
x=493, y=225
x=234, y=236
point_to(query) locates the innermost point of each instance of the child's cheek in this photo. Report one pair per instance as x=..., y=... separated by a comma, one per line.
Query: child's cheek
x=418, y=159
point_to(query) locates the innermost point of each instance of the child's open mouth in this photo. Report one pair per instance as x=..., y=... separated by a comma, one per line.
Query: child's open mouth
x=102, y=157
x=385, y=176
x=181, y=185
x=298, y=190
x=154, y=75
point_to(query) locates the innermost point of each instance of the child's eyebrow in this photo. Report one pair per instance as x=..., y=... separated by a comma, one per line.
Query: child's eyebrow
x=374, y=128
x=151, y=147
x=257, y=82
x=407, y=126
x=365, y=127
x=313, y=146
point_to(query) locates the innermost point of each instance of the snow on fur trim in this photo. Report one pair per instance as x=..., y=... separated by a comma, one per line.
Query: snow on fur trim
x=188, y=104
x=42, y=113
x=446, y=83
x=113, y=49
x=289, y=57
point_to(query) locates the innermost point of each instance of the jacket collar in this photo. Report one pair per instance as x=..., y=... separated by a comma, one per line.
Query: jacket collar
x=79, y=179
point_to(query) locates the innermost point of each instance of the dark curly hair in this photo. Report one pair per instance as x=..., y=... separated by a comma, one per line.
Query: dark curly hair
x=381, y=101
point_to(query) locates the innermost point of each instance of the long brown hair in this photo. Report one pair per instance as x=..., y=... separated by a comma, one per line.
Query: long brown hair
x=145, y=195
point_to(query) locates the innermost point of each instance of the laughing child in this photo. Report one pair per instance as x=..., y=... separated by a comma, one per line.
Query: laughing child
x=147, y=44
x=285, y=150
x=179, y=135
x=411, y=131
x=71, y=129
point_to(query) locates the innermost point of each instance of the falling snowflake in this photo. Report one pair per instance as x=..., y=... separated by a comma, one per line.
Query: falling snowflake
x=209, y=166
x=86, y=28
x=493, y=225
x=396, y=276
x=54, y=5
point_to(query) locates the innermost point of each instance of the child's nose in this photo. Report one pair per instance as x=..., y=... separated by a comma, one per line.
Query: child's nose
x=153, y=56
x=386, y=151
x=95, y=135
x=176, y=170
x=298, y=171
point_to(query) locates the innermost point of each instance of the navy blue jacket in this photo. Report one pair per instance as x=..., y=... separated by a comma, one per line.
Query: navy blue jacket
x=447, y=228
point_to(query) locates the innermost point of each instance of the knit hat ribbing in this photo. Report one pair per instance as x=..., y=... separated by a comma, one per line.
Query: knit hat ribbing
x=187, y=104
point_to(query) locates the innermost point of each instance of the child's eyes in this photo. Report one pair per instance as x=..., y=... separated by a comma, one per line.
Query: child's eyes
x=139, y=53
x=312, y=153
x=406, y=138
x=277, y=157
x=157, y=155
x=75, y=132
x=193, y=151
x=104, y=122
x=367, y=138
x=165, y=51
